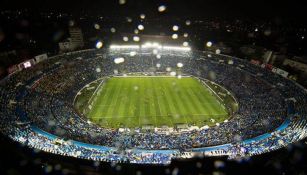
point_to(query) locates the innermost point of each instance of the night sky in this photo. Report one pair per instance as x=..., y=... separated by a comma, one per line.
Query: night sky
x=294, y=9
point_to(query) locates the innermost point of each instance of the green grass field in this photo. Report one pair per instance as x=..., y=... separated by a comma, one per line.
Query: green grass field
x=157, y=101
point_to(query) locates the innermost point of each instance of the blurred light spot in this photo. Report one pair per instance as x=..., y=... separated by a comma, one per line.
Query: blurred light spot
x=113, y=30
x=167, y=171
x=118, y=168
x=219, y=164
x=122, y=2
x=119, y=60
x=158, y=65
x=136, y=38
x=96, y=163
x=57, y=167
x=179, y=65
x=175, y=171
x=97, y=26
x=175, y=28
x=168, y=69
x=185, y=44
x=140, y=27
x=71, y=23
x=158, y=56
x=198, y=164
x=125, y=38
x=175, y=36
x=98, y=69
x=212, y=75
x=142, y=16
x=188, y=22
x=267, y=32
x=132, y=53
x=161, y=8
x=173, y=73
x=256, y=29
x=48, y=169
x=209, y=44
x=99, y=45
x=185, y=35
x=136, y=31
x=155, y=51
x=217, y=51
x=129, y=19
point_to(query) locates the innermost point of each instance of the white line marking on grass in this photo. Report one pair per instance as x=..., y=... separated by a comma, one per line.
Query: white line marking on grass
x=98, y=87
x=115, y=117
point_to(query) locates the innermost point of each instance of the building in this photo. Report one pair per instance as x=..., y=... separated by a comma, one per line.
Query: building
x=295, y=64
x=65, y=46
x=76, y=38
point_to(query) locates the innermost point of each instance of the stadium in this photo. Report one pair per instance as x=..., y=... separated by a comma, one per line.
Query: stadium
x=150, y=104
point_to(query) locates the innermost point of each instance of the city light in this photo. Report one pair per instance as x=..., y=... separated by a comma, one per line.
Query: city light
x=154, y=46
x=151, y=45
x=124, y=47
x=176, y=48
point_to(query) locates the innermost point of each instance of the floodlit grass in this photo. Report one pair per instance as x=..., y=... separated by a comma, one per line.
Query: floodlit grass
x=157, y=101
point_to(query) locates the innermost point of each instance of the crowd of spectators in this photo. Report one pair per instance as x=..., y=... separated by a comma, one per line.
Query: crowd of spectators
x=43, y=96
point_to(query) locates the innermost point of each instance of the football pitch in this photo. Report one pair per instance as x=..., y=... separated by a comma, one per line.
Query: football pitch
x=156, y=101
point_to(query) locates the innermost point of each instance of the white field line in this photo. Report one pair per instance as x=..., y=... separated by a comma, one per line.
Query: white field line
x=159, y=104
x=98, y=87
x=85, y=87
x=212, y=90
x=231, y=94
x=114, y=117
x=159, y=116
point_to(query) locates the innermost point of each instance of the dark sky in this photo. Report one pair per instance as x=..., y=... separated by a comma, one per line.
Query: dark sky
x=252, y=8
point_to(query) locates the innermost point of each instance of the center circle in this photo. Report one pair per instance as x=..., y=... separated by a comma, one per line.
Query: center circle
x=143, y=101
